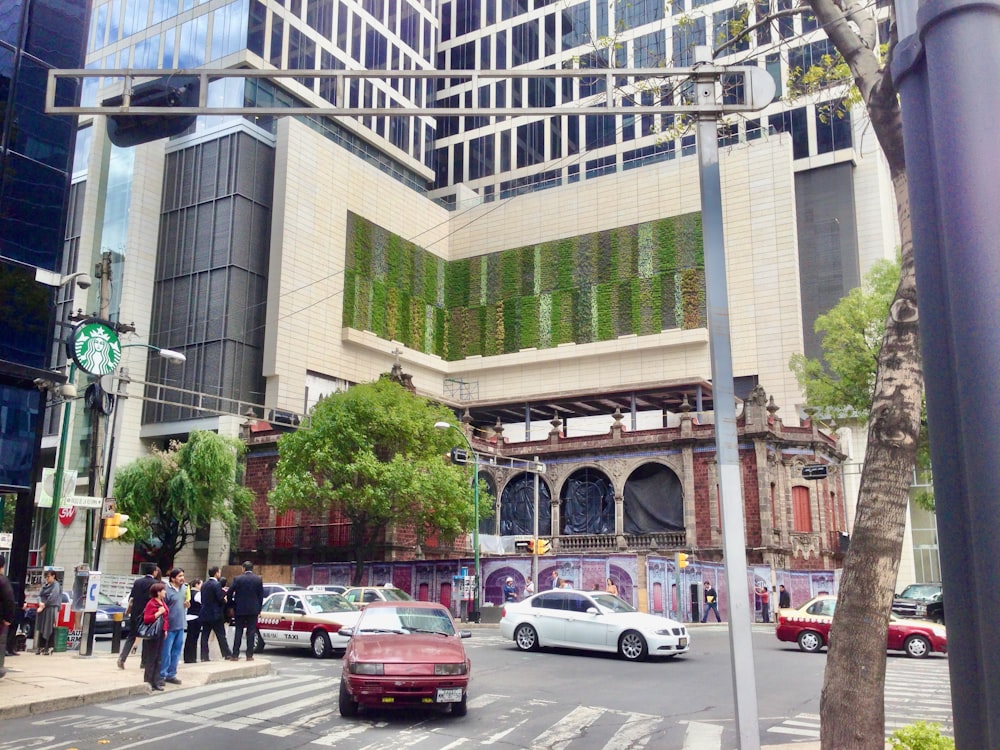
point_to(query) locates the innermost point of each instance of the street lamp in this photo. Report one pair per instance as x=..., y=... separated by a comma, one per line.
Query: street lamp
x=475, y=509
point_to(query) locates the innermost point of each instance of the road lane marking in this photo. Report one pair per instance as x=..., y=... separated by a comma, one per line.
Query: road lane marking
x=702, y=736
x=567, y=729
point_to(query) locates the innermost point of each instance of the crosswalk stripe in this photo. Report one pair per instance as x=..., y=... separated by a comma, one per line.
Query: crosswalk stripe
x=321, y=689
x=560, y=734
x=702, y=736
x=634, y=734
x=343, y=733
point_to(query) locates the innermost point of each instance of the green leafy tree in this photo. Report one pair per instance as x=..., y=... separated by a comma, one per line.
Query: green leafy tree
x=842, y=384
x=373, y=454
x=170, y=494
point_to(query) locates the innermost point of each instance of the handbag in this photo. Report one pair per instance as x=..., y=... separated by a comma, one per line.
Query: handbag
x=150, y=629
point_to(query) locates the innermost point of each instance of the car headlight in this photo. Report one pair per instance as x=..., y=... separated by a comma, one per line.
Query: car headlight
x=101, y=616
x=449, y=669
x=362, y=667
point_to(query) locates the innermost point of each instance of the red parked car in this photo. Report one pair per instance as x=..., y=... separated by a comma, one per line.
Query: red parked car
x=404, y=654
x=809, y=626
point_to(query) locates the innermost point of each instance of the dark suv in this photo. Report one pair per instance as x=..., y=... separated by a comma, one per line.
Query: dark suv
x=921, y=600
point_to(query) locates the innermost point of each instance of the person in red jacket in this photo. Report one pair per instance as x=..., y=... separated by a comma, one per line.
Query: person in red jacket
x=155, y=607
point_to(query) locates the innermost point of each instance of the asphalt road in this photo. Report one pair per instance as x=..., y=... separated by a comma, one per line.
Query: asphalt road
x=550, y=700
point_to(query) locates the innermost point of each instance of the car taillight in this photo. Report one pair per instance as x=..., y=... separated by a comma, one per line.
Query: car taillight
x=503, y=612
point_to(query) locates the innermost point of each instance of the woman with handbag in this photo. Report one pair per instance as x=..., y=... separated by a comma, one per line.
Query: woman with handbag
x=49, y=601
x=153, y=630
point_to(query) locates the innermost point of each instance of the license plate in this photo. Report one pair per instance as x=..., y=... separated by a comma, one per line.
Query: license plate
x=449, y=695
x=682, y=643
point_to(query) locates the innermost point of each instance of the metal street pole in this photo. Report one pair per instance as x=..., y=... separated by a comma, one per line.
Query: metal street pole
x=475, y=509
x=723, y=394
x=534, y=547
x=50, y=545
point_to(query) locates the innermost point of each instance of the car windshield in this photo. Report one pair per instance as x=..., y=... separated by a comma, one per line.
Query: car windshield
x=328, y=602
x=612, y=603
x=406, y=620
x=922, y=592
x=106, y=601
x=396, y=595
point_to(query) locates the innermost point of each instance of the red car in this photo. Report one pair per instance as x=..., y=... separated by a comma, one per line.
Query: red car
x=809, y=626
x=405, y=654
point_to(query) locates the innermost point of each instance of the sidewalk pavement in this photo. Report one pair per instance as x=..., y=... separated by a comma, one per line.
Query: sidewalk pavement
x=39, y=684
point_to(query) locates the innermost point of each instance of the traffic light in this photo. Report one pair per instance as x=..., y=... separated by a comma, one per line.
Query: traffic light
x=113, y=526
x=524, y=545
x=459, y=456
x=682, y=560
x=542, y=546
x=170, y=91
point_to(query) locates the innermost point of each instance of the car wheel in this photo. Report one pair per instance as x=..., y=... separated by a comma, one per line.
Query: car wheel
x=321, y=647
x=917, y=646
x=348, y=706
x=632, y=646
x=526, y=638
x=461, y=708
x=258, y=645
x=810, y=641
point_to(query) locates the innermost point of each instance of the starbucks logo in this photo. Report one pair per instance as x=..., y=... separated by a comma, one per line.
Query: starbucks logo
x=96, y=348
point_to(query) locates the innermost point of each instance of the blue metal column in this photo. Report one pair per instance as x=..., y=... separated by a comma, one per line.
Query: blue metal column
x=950, y=95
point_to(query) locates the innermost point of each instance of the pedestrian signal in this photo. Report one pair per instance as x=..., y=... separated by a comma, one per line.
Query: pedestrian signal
x=113, y=526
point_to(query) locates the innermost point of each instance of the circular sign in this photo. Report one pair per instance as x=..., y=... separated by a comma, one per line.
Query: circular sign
x=66, y=514
x=95, y=347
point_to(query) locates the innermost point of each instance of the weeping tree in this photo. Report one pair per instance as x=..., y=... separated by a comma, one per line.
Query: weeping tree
x=169, y=495
x=372, y=455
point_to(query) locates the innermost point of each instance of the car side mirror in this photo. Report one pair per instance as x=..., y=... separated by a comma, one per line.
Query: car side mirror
x=593, y=611
x=346, y=632
x=464, y=633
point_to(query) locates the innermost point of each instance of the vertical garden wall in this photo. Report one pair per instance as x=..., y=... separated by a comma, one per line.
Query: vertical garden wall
x=639, y=279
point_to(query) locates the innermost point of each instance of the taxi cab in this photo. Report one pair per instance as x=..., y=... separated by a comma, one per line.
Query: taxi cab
x=311, y=619
x=809, y=626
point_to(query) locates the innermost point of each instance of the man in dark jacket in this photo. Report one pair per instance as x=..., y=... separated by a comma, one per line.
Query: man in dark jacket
x=137, y=599
x=8, y=610
x=246, y=596
x=212, y=614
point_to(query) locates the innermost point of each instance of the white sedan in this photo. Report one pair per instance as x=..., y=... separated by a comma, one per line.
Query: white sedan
x=591, y=620
x=312, y=619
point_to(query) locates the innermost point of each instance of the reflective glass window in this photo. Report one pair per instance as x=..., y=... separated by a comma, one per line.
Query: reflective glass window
x=833, y=127
x=481, y=157
x=524, y=43
x=99, y=27
x=169, y=37
x=650, y=50
x=277, y=37
x=319, y=16
x=639, y=12
x=531, y=143
x=342, y=27
x=376, y=50
x=114, y=21
x=445, y=22
x=163, y=9
x=42, y=138
x=147, y=52
x=550, y=34
x=10, y=21
x=467, y=18
x=501, y=56
x=409, y=27
x=458, y=163
x=229, y=28
x=600, y=130
x=357, y=28
x=793, y=122
x=20, y=408
x=686, y=37
x=256, y=26
x=55, y=33
x=193, y=43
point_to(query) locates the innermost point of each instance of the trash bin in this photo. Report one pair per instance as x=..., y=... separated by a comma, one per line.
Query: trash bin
x=61, y=638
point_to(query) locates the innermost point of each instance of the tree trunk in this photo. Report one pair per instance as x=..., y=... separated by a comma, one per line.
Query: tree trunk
x=852, y=710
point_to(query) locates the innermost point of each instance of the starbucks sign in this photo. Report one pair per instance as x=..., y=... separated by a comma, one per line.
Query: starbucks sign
x=95, y=347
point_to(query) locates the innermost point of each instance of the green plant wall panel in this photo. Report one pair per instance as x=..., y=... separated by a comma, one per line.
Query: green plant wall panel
x=639, y=279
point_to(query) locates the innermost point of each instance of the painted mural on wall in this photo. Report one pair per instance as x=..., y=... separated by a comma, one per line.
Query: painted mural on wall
x=639, y=279
x=670, y=593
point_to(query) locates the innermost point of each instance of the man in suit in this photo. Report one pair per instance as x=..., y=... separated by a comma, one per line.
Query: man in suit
x=137, y=599
x=213, y=613
x=246, y=596
x=8, y=611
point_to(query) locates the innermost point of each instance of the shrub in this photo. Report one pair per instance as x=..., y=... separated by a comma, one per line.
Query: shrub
x=920, y=736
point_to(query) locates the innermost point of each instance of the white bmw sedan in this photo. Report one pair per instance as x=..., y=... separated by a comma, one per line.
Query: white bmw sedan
x=591, y=620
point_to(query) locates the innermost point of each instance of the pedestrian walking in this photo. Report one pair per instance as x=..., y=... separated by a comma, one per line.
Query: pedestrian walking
x=134, y=610
x=173, y=644
x=711, y=603
x=554, y=580
x=155, y=610
x=8, y=612
x=193, y=622
x=213, y=614
x=611, y=588
x=246, y=596
x=49, y=601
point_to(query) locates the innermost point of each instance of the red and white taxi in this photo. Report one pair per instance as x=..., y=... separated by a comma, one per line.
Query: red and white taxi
x=311, y=619
x=809, y=626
